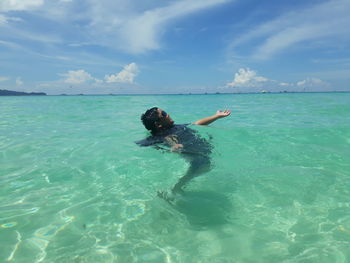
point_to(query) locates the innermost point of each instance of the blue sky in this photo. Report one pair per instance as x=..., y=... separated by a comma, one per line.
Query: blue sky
x=177, y=46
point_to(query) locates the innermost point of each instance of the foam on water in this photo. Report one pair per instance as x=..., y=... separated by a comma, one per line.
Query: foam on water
x=74, y=187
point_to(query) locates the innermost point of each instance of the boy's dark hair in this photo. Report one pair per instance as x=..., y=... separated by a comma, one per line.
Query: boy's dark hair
x=149, y=118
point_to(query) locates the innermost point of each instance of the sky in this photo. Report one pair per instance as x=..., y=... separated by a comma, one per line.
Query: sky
x=174, y=46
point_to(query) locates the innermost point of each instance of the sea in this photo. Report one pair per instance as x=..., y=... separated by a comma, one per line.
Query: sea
x=76, y=188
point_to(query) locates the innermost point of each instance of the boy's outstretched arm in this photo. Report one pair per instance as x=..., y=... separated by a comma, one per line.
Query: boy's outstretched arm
x=219, y=114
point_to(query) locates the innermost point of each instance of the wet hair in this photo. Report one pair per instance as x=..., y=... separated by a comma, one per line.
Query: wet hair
x=149, y=118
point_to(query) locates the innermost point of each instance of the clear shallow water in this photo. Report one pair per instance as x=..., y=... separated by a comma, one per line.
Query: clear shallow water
x=75, y=188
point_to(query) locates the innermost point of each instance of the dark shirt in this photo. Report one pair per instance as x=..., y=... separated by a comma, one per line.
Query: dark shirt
x=192, y=143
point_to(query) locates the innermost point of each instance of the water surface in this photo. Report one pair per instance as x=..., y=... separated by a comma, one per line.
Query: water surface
x=74, y=187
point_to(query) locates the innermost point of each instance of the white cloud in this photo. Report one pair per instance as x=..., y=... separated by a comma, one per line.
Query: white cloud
x=5, y=19
x=312, y=84
x=133, y=26
x=284, y=84
x=247, y=78
x=19, y=81
x=19, y=5
x=141, y=32
x=3, y=78
x=127, y=75
x=80, y=81
x=77, y=76
x=9, y=45
x=328, y=19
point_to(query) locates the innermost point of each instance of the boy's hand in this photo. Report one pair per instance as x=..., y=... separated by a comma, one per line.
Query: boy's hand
x=222, y=114
x=177, y=147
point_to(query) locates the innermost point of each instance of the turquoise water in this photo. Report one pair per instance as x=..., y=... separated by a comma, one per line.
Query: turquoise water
x=76, y=188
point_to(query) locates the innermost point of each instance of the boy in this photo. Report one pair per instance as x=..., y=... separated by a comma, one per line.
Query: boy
x=181, y=139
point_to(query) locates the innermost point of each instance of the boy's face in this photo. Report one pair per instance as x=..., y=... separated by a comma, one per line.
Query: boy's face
x=165, y=121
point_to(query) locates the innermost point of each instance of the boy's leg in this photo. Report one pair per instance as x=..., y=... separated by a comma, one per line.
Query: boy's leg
x=198, y=166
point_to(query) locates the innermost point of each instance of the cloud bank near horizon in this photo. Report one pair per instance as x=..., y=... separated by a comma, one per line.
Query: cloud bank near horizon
x=247, y=80
x=77, y=77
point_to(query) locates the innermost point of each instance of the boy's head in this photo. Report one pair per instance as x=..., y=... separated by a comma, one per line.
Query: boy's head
x=155, y=119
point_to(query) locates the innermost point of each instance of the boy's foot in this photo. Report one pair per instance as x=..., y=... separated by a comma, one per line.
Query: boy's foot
x=166, y=195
